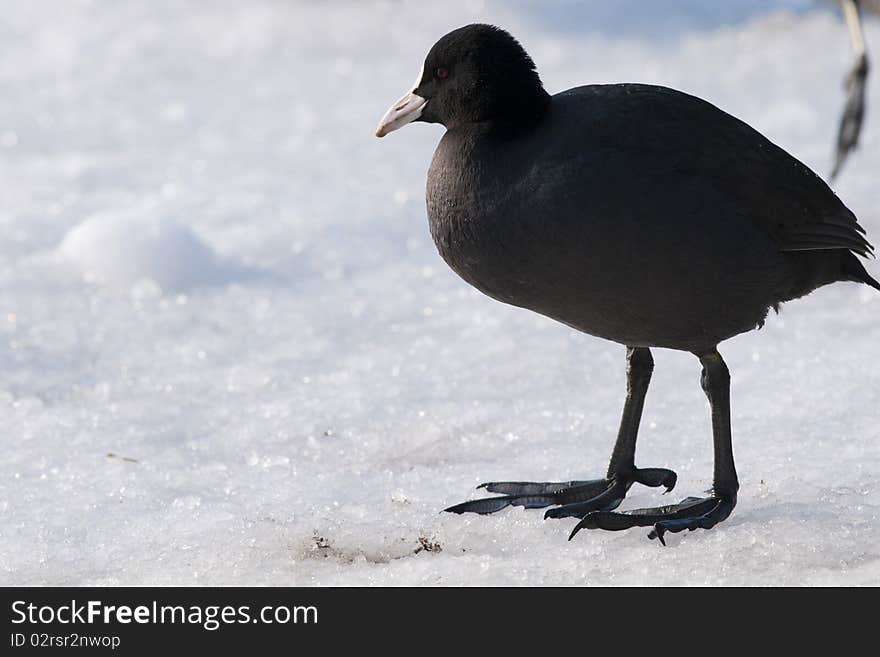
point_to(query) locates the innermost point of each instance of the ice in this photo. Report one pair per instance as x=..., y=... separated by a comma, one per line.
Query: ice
x=231, y=355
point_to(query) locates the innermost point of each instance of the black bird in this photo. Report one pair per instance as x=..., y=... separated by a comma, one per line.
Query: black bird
x=631, y=212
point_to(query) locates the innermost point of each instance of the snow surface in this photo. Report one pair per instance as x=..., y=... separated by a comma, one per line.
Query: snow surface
x=231, y=355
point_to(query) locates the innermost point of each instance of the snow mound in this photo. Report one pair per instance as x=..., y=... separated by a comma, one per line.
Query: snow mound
x=120, y=251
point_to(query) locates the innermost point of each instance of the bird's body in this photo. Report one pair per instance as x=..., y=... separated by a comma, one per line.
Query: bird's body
x=634, y=213
x=638, y=214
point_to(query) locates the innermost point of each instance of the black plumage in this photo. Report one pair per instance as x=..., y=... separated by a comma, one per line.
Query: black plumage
x=631, y=212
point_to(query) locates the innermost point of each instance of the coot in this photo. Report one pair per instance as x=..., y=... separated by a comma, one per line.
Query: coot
x=631, y=212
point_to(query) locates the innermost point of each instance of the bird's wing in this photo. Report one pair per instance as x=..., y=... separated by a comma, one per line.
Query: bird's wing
x=796, y=207
x=777, y=192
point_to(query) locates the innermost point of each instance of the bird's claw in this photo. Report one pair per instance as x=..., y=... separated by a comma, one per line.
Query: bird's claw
x=575, y=498
x=691, y=513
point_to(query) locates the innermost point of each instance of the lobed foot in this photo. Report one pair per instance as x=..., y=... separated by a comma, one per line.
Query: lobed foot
x=691, y=513
x=575, y=497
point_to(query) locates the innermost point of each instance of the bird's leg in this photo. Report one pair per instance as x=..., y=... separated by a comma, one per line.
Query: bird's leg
x=580, y=497
x=856, y=82
x=693, y=512
x=622, y=471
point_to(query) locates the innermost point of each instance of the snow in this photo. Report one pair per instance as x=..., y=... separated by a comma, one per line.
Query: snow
x=231, y=355
x=121, y=251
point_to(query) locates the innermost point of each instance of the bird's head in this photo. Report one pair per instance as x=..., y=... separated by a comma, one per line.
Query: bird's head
x=475, y=73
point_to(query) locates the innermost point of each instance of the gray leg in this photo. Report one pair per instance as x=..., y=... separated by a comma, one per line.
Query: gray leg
x=580, y=497
x=856, y=83
x=715, y=381
x=693, y=512
x=639, y=366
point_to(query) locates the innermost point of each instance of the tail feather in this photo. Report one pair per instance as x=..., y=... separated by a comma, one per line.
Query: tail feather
x=854, y=270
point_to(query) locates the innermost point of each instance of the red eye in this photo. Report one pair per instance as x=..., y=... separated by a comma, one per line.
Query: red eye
x=442, y=73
